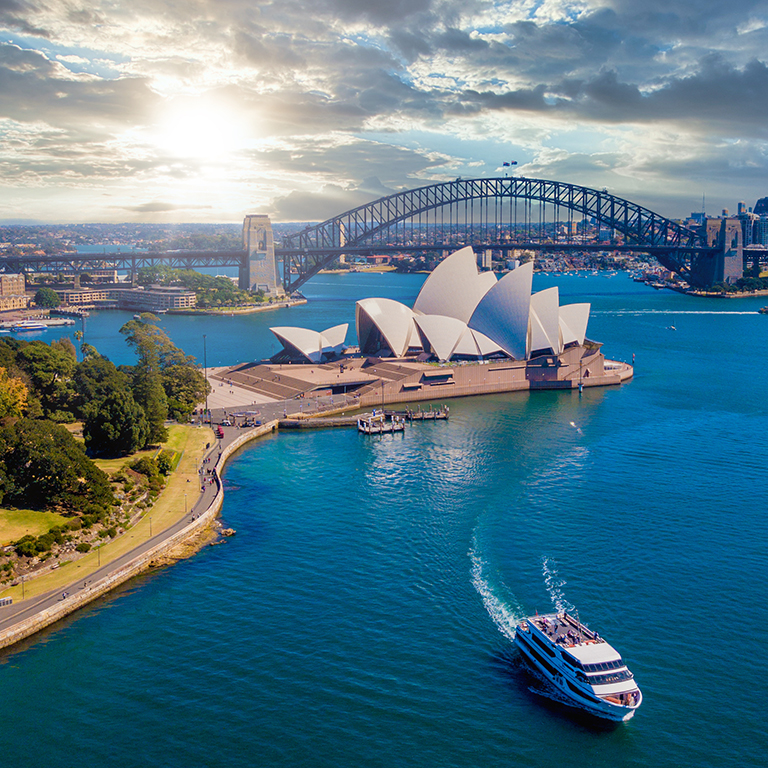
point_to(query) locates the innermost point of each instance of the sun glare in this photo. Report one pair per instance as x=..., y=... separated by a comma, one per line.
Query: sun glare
x=199, y=129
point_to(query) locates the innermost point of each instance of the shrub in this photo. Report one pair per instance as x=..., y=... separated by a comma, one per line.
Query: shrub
x=26, y=546
x=83, y=546
x=165, y=462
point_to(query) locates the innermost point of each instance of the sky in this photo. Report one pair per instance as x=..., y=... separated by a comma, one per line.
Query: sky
x=205, y=110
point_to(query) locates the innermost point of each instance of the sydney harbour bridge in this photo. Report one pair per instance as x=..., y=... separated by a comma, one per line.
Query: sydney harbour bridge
x=490, y=214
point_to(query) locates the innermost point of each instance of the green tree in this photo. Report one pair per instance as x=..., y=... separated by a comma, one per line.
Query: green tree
x=116, y=425
x=44, y=466
x=47, y=297
x=50, y=369
x=94, y=379
x=185, y=387
x=149, y=394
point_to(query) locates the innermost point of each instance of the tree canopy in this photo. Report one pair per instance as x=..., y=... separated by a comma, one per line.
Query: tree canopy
x=44, y=466
x=13, y=395
x=47, y=297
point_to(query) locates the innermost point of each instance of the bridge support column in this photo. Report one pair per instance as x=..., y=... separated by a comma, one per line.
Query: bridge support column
x=727, y=264
x=259, y=269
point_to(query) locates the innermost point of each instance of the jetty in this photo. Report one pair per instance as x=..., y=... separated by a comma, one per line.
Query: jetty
x=378, y=424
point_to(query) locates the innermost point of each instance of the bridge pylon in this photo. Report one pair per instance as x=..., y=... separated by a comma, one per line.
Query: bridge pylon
x=259, y=268
x=726, y=263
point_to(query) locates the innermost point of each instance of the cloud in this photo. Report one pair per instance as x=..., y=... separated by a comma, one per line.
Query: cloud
x=161, y=207
x=328, y=94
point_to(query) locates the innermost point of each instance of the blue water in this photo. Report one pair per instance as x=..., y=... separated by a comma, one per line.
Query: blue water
x=362, y=614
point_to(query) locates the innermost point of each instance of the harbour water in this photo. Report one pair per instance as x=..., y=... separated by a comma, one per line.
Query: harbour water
x=362, y=615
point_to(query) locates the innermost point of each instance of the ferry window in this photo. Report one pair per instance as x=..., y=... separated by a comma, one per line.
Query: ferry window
x=611, y=677
x=604, y=666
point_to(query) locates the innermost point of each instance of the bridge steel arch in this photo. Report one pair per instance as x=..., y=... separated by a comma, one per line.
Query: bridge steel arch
x=306, y=252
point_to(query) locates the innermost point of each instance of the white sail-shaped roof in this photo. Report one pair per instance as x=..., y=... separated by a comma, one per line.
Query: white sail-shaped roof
x=545, y=321
x=334, y=337
x=485, y=346
x=312, y=344
x=475, y=344
x=441, y=333
x=454, y=287
x=502, y=314
x=573, y=322
x=387, y=321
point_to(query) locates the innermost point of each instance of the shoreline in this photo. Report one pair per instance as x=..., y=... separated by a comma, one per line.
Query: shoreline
x=42, y=611
x=186, y=536
x=240, y=310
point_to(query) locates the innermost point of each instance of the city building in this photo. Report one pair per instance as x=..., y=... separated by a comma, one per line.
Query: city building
x=12, y=292
x=12, y=285
x=152, y=299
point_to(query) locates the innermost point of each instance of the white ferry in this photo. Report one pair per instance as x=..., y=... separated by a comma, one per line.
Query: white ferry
x=586, y=671
x=28, y=325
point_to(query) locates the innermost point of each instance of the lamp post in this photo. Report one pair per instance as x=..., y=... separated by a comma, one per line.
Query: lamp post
x=205, y=366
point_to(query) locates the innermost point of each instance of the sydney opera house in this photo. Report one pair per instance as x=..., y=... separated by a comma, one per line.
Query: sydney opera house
x=468, y=332
x=460, y=314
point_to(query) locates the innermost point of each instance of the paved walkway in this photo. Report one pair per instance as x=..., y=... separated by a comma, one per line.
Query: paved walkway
x=24, y=609
x=207, y=491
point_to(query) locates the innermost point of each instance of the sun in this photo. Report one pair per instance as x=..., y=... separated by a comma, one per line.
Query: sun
x=199, y=128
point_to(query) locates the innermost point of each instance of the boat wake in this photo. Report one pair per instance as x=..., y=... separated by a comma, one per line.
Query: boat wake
x=506, y=613
x=554, y=585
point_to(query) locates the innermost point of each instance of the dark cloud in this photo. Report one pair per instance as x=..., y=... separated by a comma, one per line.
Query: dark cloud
x=13, y=15
x=718, y=96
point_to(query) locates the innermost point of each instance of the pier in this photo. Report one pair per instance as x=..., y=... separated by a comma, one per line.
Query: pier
x=378, y=424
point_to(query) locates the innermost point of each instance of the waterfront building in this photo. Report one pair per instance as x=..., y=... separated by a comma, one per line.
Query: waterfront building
x=153, y=299
x=12, y=285
x=12, y=292
x=8, y=303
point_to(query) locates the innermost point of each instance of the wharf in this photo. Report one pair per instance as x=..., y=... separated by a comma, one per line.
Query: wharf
x=401, y=417
x=377, y=424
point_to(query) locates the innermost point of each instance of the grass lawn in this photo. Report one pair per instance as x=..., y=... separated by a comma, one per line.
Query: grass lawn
x=168, y=508
x=15, y=523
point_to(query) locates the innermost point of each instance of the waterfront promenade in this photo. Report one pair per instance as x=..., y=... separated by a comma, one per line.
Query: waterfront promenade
x=25, y=617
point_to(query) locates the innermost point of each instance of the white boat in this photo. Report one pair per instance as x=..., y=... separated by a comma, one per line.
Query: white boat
x=585, y=670
x=29, y=325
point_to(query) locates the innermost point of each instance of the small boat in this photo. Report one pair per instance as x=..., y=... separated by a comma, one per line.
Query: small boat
x=763, y=310
x=28, y=325
x=584, y=669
